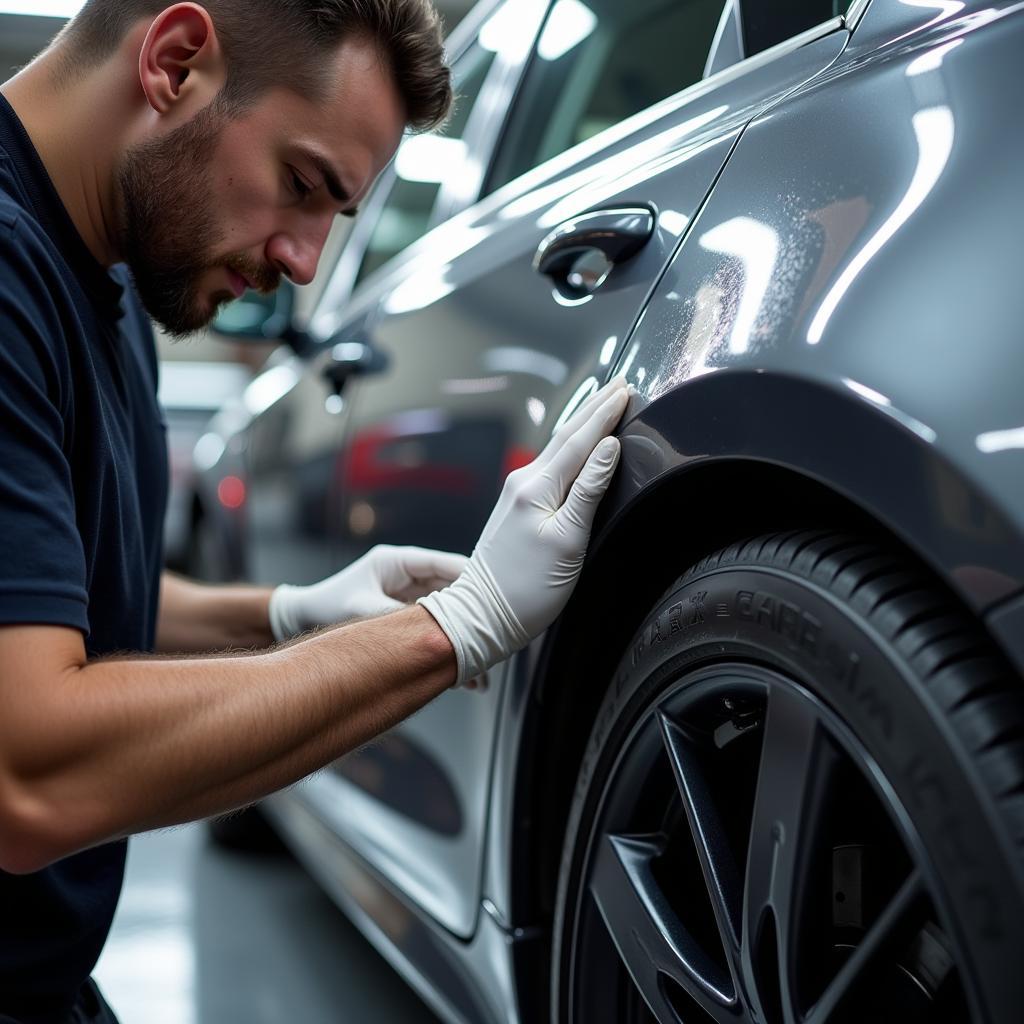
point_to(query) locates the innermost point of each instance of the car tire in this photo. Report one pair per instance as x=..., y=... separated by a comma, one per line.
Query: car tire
x=802, y=800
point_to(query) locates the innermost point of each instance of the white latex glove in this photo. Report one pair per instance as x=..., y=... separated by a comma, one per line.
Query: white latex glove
x=385, y=579
x=530, y=554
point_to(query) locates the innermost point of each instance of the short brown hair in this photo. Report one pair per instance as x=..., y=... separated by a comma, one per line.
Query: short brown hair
x=279, y=42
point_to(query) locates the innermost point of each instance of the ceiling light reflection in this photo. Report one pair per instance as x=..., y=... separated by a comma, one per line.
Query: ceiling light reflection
x=208, y=451
x=932, y=60
x=429, y=158
x=1000, y=440
x=419, y=290
x=608, y=349
x=569, y=23
x=934, y=129
x=865, y=392
x=511, y=28
x=474, y=385
x=269, y=387
x=528, y=361
x=673, y=221
x=879, y=400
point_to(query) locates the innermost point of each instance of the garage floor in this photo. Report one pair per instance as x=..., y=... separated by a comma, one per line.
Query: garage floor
x=207, y=937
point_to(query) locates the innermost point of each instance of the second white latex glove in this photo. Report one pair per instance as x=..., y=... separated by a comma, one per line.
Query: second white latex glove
x=529, y=556
x=385, y=579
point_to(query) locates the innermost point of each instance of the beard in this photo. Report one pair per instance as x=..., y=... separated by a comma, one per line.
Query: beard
x=168, y=229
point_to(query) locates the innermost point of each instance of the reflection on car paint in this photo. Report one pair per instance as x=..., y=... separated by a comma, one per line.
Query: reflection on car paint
x=934, y=130
x=401, y=773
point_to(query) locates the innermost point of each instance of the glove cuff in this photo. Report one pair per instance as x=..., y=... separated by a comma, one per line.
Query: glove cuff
x=477, y=620
x=283, y=622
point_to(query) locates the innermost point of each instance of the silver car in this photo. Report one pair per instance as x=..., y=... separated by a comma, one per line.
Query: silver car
x=769, y=765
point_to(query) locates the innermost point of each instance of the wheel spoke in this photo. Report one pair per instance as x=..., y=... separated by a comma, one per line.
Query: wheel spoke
x=649, y=936
x=721, y=875
x=789, y=804
x=888, y=927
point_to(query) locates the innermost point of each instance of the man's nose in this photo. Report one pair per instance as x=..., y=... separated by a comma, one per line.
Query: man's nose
x=296, y=252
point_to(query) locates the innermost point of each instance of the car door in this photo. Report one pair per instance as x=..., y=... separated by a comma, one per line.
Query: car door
x=494, y=327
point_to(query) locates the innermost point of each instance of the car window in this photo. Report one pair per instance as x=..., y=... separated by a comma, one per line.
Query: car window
x=421, y=164
x=768, y=22
x=596, y=63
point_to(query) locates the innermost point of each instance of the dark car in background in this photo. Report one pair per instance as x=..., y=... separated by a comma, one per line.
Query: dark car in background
x=191, y=393
x=769, y=764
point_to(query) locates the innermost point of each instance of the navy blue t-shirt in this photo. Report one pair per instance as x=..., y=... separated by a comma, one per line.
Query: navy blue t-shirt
x=83, y=488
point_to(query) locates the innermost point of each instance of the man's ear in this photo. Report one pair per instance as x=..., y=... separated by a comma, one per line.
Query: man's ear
x=181, y=59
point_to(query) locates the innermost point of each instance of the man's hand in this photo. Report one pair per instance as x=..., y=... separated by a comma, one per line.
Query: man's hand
x=384, y=580
x=528, y=559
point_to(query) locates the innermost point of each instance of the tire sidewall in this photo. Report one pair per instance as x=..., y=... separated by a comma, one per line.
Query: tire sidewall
x=779, y=620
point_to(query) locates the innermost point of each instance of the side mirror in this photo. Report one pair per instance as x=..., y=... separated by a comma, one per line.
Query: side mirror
x=257, y=318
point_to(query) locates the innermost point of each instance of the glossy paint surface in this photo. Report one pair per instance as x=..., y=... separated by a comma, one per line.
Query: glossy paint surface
x=873, y=294
x=830, y=289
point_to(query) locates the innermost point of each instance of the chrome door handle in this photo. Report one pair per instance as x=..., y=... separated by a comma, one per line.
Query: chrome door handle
x=615, y=235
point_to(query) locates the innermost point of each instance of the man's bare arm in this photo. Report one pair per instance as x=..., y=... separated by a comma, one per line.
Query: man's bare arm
x=196, y=618
x=91, y=751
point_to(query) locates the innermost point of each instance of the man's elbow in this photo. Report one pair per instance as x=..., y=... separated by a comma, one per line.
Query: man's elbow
x=31, y=833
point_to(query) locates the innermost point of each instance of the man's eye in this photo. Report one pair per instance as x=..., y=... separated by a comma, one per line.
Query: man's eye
x=299, y=186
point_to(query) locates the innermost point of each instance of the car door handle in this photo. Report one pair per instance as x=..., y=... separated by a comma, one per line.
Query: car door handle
x=613, y=236
x=352, y=359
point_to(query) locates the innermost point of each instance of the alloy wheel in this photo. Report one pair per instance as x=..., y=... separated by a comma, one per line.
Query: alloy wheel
x=747, y=862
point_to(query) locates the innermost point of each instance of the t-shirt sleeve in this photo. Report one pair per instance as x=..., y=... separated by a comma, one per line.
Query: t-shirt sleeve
x=42, y=562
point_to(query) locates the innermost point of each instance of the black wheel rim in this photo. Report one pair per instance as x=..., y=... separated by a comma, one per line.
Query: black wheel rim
x=747, y=862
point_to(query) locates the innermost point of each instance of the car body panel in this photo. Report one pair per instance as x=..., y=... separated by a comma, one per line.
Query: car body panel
x=474, y=982
x=484, y=358
x=788, y=275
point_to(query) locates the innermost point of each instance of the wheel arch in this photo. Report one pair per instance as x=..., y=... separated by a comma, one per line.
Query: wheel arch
x=749, y=470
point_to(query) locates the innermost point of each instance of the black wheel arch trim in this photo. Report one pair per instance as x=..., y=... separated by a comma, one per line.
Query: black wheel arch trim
x=828, y=434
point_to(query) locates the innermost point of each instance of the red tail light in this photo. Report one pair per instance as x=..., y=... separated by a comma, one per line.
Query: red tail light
x=231, y=492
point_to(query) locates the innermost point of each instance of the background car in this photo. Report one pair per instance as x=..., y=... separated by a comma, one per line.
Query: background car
x=190, y=394
x=769, y=765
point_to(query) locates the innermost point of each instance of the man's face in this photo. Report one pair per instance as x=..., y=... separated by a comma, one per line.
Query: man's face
x=218, y=204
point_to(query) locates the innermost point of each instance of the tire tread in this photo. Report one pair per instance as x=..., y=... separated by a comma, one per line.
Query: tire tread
x=962, y=670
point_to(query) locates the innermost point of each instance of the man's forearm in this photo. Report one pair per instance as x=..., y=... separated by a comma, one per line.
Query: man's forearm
x=117, y=747
x=196, y=618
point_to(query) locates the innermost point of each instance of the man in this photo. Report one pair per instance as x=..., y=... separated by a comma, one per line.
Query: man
x=207, y=147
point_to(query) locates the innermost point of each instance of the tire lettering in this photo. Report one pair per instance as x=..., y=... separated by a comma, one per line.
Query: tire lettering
x=675, y=618
x=656, y=636
x=799, y=629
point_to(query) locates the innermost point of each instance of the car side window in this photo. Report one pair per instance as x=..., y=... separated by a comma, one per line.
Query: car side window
x=768, y=22
x=599, y=62
x=421, y=165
